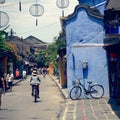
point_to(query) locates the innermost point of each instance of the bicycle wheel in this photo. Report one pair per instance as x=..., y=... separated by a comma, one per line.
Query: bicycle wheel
x=96, y=91
x=35, y=98
x=75, y=92
x=35, y=95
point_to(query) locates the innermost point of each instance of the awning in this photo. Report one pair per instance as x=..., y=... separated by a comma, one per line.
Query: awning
x=112, y=42
x=4, y=53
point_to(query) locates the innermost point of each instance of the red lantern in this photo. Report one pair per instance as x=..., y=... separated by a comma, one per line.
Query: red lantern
x=113, y=55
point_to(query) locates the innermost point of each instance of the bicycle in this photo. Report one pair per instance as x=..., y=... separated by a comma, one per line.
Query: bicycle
x=96, y=91
x=35, y=92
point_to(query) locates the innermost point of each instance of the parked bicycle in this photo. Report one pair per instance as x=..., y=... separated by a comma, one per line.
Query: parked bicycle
x=96, y=91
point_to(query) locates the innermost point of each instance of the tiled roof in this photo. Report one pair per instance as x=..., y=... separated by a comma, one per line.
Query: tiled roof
x=33, y=40
x=91, y=2
x=113, y=4
x=90, y=11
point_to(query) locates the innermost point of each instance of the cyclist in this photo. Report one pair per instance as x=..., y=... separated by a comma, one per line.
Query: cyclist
x=35, y=80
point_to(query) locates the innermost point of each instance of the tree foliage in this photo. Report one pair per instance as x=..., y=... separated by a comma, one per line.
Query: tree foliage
x=6, y=46
x=3, y=45
x=50, y=54
x=13, y=49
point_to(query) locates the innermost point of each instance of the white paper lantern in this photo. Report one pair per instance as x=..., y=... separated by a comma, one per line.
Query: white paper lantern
x=4, y=19
x=36, y=10
x=2, y=1
x=62, y=3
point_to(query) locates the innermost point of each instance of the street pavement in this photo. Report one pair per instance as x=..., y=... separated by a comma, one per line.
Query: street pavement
x=18, y=104
x=89, y=109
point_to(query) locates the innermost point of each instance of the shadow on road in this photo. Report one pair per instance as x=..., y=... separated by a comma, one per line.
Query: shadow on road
x=38, y=101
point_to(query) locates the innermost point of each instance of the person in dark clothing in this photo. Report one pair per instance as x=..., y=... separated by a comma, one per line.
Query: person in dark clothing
x=2, y=87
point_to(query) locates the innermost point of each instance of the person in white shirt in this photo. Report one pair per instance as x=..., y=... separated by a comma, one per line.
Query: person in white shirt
x=10, y=80
x=24, y=74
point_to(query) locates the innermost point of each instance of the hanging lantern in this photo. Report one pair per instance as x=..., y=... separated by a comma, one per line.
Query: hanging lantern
x=4, y=19
x=62, y=3
x=36, y=10
x=113, y=56
x=2, y=1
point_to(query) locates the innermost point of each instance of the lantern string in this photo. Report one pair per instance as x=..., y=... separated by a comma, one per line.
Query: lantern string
x=20, y=8
x=36, y=12
x=36, y=1
x=36, y=22
x=62, y=13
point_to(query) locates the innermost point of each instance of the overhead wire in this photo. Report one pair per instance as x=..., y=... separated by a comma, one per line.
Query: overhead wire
x=23, y=2
x=43, y=27
x=9, y=5
x=20, y=8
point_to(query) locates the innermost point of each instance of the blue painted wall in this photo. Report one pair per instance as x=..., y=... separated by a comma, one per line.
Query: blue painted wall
x=84, y=35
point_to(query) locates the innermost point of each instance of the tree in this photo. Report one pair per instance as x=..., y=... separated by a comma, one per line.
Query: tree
x=3, y=45
x=52, y=50
x=49, y=55
x=7, y=47
x=41, y=59
x=13, y=49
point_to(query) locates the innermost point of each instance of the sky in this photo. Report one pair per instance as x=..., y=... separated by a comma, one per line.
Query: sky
x=24, y=25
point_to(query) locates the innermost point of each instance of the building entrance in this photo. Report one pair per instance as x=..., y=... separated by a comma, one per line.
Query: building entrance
x=114, y=74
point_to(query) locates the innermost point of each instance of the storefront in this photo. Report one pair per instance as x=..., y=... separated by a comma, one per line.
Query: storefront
x=112, y=46
x=112, y=43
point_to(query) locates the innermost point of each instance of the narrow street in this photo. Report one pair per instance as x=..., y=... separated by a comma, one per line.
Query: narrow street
x=19, y=105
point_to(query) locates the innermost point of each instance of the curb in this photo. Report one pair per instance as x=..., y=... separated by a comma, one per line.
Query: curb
x=16, y=81
x=59, y=87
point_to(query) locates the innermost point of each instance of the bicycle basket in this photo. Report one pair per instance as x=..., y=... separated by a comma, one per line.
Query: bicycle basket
x=75, y=82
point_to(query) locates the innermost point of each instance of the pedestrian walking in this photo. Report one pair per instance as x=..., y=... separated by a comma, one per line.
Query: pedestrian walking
x=17, y=73
x=24, y=74
x=2, y=87
x=5, y=81
x=44, y=71
x=10, y=80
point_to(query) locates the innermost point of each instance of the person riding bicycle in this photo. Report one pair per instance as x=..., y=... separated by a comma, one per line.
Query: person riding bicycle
x=35, y=80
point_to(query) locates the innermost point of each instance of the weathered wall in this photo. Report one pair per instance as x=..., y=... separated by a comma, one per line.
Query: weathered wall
x=83, y=29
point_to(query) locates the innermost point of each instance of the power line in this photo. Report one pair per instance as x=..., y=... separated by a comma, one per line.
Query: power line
x=16, y=4
x=31, y=31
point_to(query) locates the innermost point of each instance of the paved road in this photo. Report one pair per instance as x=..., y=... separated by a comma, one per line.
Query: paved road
x=19, y=105
x=90, y=109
